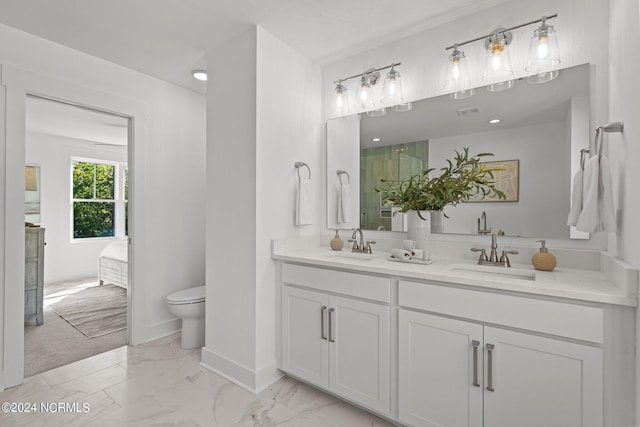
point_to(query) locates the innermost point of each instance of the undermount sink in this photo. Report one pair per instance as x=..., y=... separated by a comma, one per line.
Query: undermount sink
x=488, y=272
x=353, y=255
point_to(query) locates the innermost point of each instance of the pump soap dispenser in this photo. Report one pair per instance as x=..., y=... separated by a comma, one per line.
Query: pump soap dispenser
x=336, y=243
x=543, y=260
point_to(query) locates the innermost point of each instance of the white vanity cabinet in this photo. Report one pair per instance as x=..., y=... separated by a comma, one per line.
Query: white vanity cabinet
x=334, y=341
x=455, y=372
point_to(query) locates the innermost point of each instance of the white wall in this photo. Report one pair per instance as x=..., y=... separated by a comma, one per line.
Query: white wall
x=271, y=120
x=541, y=151
x=168, y=177
x=65, y=260
x=624, y=148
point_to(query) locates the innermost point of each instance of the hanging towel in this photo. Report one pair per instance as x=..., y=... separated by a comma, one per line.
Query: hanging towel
x=576, y=198
x=597, y=211
x=304, y=204
x=344, y=204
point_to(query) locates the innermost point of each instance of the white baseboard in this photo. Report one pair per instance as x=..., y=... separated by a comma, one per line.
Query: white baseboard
x=249, y=379
x=162, y=329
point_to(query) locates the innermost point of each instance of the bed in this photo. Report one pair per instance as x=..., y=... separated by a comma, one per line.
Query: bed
x=113, y=266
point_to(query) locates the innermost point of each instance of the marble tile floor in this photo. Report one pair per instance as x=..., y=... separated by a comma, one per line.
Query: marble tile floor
x=160, y=384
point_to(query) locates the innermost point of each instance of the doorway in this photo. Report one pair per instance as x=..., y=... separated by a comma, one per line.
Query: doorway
x=80, y=307
x=17, y=85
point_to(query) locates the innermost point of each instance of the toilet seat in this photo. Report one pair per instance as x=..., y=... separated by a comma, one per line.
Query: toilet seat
x=187, y=296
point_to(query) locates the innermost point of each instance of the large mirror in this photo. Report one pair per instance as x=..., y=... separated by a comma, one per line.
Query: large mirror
x=538, y=138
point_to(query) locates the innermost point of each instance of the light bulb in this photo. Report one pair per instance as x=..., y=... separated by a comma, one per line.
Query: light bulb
x=455, y=70
x=496, y=63
x=543, y=48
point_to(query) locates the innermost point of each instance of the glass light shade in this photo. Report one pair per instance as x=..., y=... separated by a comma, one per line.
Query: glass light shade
x=341, y=101
x=457, y=80
x=498, y=66
x=392, y=88
x=544, y=55
x=378, y=112
x=402, y=108
x=364, y=95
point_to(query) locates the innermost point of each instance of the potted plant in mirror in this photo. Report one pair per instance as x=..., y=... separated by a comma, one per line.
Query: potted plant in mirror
x=464, y=177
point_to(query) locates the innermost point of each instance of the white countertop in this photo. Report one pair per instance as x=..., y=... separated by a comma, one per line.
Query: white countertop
x=575, y=284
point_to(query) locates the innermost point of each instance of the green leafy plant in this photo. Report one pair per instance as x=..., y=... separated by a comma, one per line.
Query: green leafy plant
x=463, y=177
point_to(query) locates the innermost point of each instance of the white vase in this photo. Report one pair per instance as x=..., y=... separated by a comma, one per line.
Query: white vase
x=437, y=221
x=420, y=230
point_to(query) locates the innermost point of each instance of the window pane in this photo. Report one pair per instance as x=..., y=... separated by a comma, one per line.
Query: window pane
x=93, y=219
x=82, y=180
x=126, y=184
x=105, y=178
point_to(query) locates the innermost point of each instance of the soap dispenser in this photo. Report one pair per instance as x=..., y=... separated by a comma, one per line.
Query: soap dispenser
x=336, y=243
x=543, y=260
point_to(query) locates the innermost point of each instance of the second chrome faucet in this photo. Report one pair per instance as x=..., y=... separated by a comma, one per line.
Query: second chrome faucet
x=492, y=259
x=360, y=245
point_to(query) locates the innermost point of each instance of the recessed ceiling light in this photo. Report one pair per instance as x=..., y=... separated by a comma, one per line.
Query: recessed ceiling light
x=200, y=75
x=376, y=139
x=494, y=121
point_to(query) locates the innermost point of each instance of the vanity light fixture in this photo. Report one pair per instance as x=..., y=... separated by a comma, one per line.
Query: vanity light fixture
x=498, y=68
x=341, y=105
x=365, y=98
x=457, y=80
x=199, y=75
x=544, y=55
x=544, y=59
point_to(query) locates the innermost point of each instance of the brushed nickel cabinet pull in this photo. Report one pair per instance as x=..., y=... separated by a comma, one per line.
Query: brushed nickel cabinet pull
x=331, y=339
x=490, y=348
x=323, y=334
x=475, y=345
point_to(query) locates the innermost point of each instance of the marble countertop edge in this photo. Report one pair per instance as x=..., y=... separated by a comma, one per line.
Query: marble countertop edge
x=566, y=283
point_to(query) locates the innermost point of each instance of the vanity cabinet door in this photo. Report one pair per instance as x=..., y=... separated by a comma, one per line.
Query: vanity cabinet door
x=305, y=336
x=539, y=381
x=359, y=365
x=440, y=380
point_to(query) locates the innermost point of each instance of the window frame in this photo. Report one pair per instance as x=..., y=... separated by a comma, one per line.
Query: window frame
x=118, y=200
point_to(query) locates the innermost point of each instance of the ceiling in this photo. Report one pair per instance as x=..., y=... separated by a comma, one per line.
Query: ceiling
x=64, y=120
x=168, y=38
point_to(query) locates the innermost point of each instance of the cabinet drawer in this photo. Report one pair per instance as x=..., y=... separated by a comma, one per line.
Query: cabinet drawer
x=556, y=318
x=352, y=284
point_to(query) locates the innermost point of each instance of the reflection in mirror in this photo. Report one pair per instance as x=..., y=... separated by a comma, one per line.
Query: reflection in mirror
x=542, y=127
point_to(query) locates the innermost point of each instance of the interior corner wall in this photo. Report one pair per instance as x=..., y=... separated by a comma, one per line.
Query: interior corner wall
x=168, y=164
x=289, y=105
x=231, y=213
x=624, y=148
x=65, y=260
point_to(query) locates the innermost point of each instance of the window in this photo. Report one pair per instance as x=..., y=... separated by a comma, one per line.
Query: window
x=99, y=207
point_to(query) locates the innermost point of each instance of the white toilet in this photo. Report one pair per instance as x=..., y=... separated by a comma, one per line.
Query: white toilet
x=188, y=304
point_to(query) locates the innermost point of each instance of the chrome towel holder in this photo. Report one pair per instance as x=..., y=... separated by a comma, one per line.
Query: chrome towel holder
x=341, y=172
x=301, y=164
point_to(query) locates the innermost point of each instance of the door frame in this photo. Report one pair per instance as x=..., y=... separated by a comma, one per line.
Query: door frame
x=16, y=84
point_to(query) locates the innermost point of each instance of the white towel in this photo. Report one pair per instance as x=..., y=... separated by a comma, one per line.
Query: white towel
x=344, y=204
x=401, y=253
x=576, y=198
x=304, y=205
x=597, y=210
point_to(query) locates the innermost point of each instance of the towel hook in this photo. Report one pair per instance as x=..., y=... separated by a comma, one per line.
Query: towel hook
x=582, y=156
x=301, y=164
x=341, y=172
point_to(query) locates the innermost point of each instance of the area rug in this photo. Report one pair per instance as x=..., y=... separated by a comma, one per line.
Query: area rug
x=95, y=311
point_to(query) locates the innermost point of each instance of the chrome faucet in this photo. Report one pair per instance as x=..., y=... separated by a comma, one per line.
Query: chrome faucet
x=493, y=259
x=360, y=245
x=484, y=229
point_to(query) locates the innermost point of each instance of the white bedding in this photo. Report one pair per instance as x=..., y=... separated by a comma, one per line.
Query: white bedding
x=115, y=250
